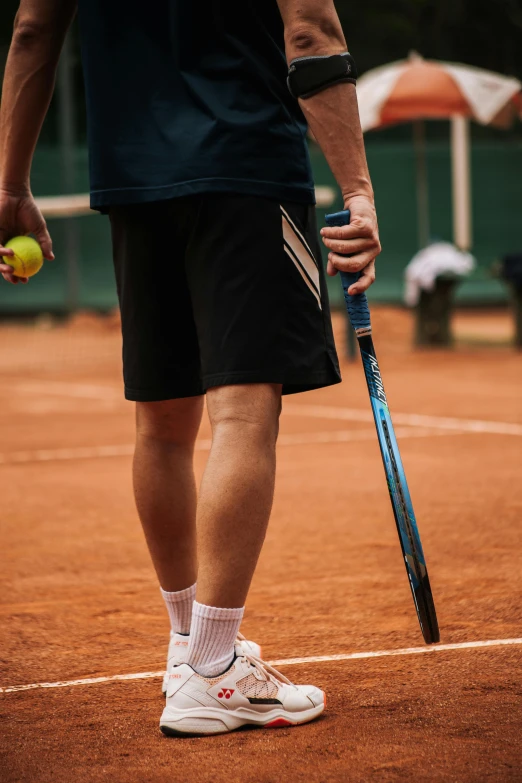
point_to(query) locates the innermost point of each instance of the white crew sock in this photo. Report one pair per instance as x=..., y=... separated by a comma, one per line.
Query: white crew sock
x=179, y=607
x=212, y=636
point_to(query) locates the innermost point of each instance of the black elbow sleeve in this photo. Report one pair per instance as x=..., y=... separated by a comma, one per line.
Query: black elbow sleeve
x=309, y=75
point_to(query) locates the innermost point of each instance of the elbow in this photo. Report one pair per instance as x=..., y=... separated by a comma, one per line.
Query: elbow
x=29, y=33
x=315, y=37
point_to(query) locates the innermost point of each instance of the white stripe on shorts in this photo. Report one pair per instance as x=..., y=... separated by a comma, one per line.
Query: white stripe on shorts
x=302, y=258
x=303, y=275
x=301, y=237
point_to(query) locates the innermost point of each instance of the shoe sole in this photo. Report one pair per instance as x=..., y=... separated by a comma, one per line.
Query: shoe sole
x=194, y=723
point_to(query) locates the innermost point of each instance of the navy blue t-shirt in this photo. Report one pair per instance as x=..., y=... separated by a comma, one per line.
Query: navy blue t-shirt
x=190, y=96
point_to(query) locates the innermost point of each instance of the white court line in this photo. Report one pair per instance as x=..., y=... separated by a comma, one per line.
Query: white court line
x=63, y=389
x=409, y=419
x=127, y=449
x=96, y=391
x=346, y=436
x=51, y=455
x=283, y=662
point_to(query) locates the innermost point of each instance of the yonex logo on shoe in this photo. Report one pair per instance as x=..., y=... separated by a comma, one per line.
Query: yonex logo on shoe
x=225, y=693
x=180, y=644
x=175, y=676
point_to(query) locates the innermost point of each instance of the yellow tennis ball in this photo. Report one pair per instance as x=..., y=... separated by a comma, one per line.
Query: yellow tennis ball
x=28, y=256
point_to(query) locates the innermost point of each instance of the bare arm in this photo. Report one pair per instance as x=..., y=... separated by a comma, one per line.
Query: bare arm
x=39, y=31
x=313, y=28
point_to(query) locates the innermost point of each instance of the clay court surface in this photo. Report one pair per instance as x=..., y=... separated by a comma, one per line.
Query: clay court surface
x=80, y=601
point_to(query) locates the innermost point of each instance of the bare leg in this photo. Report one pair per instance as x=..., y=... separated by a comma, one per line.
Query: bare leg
x=165, y=487
x=237, y=490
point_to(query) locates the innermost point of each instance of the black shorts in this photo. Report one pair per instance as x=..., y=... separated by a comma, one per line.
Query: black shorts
x=221, y=289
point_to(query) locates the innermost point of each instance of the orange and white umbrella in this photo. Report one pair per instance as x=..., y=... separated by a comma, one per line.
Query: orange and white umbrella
x=418, y=89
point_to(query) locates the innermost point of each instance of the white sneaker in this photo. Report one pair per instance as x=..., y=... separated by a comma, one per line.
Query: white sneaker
x=250, y=692
x=178, y=648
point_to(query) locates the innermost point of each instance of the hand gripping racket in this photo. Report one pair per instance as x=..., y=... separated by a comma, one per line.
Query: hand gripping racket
x=411, y=546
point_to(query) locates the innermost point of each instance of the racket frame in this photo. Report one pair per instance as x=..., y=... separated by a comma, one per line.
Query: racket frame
x=406, y=523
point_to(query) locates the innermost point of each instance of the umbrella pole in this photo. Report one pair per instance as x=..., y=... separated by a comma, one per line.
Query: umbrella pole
x=423, y=203
x=461, y=175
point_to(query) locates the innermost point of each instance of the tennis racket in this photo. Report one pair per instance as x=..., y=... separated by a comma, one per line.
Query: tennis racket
x=411, y=546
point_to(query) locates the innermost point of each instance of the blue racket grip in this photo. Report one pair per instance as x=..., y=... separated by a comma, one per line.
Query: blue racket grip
x=357, y=305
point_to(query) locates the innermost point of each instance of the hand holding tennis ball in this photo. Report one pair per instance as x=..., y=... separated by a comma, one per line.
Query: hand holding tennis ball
x=28, y=257
x=21, y=256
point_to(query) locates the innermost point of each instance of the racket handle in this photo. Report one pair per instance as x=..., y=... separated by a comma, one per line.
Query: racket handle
x=357, y=305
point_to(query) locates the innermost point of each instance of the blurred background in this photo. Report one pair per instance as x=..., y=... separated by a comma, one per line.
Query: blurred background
x=410, y=162
x=78, y=595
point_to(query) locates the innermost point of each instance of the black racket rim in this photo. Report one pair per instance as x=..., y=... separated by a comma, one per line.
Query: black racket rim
x=424, y=604
x=422, y=595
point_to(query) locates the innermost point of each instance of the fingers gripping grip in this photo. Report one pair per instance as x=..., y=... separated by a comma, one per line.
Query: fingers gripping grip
x=357, y=305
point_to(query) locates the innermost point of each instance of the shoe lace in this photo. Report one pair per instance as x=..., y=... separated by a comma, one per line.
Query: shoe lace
x=269, y=673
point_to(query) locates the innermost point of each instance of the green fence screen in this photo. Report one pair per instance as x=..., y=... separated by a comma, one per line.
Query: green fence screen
x=497, y=217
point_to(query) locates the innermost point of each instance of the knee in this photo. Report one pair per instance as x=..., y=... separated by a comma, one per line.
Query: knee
x=170, y=421
x=253, y=408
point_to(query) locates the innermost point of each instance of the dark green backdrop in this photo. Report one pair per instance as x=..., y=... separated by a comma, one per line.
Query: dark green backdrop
x=497, y=218
x=486, y=33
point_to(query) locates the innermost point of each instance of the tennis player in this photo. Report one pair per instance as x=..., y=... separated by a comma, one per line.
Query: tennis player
x=197, y=120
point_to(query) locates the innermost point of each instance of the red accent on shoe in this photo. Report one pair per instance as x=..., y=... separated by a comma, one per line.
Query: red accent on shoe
x=278, y=723
x=226, y=693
